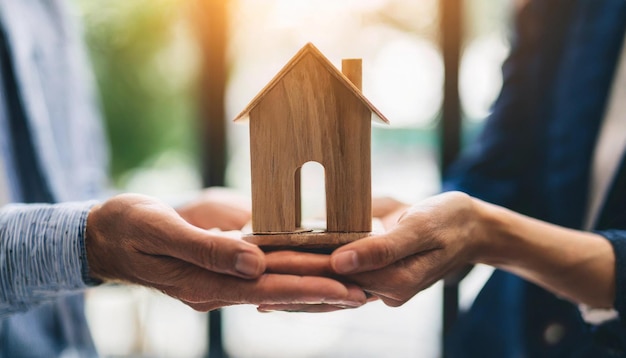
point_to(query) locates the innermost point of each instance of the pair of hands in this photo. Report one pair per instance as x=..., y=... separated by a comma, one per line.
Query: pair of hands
x=423, y=244
x=132, y=238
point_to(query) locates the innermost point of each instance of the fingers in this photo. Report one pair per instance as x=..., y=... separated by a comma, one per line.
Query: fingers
x=398, y=283
x=128, y=225
x=217, y=208
x=417, y=232
x=299, y=263
x=367, y=254
x=211, y=250
x=146, y=242
x=375, y=252
x=354, y=298
x=319, y=308
x=383, y=206
x=288, y=289
x=206, y=307
x=388, y=211
x=316, y=308
x=222, y=254
x=205, y=290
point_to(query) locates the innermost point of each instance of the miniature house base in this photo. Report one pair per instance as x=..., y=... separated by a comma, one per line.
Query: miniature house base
x=311, y=240
x=306, y=240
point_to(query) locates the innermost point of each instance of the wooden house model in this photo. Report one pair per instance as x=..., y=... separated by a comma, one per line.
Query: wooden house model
x=311, y=111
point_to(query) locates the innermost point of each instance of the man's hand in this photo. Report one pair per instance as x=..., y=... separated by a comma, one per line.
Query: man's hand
x=132, y=238
x=219, y=208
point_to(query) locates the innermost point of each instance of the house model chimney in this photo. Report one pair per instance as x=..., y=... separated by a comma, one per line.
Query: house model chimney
x=290, y=122
x=352, y=68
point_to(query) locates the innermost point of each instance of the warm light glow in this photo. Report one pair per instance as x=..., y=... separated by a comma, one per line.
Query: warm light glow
x=406, y=79
x=289, y=13
x=480, y=75
x=402, y=72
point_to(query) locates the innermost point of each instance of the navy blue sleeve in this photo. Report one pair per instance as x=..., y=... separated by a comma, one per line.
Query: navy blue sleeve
x=618, y=241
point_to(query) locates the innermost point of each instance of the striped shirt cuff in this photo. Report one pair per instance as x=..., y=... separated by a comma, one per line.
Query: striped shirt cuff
x=42, y=253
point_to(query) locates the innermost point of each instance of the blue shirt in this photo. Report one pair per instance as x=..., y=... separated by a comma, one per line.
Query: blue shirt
x=52, y=143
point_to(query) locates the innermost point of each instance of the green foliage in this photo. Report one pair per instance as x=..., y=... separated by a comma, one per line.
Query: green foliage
x=144, y=59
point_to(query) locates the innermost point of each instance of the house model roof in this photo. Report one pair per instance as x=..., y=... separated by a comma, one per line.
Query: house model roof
x=310, y=49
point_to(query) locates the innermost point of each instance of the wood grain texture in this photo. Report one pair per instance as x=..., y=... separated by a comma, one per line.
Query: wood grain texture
x=306, y=241
x=310, y=239
x=307, y=50
x=311, y=112
x=310, y=116
x=352, y=68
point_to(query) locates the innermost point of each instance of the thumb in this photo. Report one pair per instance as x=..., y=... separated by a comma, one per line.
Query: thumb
x=218, y=252
x=130, y=224
x=378, y=251
x=221, y=252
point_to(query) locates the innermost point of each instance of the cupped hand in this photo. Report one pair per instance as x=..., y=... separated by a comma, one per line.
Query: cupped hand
x=434, y=238
x=386, y=209
x=307, y=264
x=442, y=234
x=135, y=239
x=216, y=207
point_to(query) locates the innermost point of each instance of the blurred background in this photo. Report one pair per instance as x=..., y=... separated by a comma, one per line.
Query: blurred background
x=173, y=73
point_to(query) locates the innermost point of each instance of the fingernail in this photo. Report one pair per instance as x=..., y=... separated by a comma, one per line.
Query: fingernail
x=247, y=264
x=346, y=262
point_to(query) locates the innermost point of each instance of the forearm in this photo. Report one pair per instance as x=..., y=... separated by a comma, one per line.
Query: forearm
x=42, y=253
x=576, y=265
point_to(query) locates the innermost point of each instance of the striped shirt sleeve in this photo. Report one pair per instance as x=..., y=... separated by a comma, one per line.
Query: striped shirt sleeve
x=42, y=253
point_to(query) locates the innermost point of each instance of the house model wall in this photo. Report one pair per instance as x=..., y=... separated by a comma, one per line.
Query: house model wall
x=311, y=112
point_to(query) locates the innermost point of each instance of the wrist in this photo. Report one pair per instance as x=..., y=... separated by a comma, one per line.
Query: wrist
x=91, y=239
x=492, y=223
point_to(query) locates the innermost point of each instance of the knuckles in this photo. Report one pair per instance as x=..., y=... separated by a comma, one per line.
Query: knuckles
x=381, y=252
x=208, y=253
